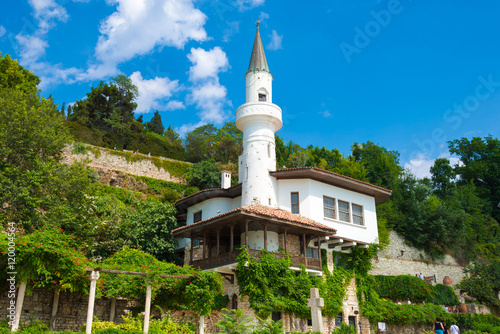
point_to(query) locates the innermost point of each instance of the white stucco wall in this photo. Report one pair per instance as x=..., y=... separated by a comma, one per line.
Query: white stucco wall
x=311, y=206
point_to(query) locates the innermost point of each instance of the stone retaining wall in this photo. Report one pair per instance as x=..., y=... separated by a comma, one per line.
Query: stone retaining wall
x=108, y=161
x=401, y=259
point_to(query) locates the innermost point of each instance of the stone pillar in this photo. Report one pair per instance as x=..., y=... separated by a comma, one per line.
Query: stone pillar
x=316, y=303
x=147, y=309
x=19, y=306
x=94, y=276
x=55, y=306
x=112, y=310
x=201, y=327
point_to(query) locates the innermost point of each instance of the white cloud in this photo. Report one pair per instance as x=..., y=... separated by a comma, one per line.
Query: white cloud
x=207, y=93
x=2, y=30
x=46, y=12
x=275, y=43
x=137, y=27
x=420, y=166
x=326, y=113
x=263, y=16
x=248, y=4
x=207, y=64
x=232, y=28
x=155, y=93
x=31, y=48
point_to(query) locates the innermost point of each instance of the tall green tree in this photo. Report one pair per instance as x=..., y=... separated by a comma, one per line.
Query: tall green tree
x=480, y=163
x=382, y=165
x=442, y=177
x=199, y=143
x=155, y=125
x=204, y=175
x=14, y=76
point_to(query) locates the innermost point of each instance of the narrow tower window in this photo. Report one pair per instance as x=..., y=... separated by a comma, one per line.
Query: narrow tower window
x=262, y=97
x=268, y=150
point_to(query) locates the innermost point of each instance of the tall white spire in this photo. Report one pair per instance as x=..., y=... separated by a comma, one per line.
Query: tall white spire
x=258, y=119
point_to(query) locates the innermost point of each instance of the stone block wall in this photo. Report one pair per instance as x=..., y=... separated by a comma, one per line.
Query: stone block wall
x=72, y=310
x=108, y=161
x=401, y=259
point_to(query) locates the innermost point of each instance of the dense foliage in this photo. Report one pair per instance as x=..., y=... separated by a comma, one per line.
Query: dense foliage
x=407, y=287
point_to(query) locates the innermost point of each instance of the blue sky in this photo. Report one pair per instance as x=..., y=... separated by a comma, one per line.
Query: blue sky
x=409, y=75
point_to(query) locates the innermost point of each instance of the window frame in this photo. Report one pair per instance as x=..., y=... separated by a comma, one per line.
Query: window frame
x=293, y=204
x=343, y=212
x=262, y=97
x=361, y=216
x=334, y=209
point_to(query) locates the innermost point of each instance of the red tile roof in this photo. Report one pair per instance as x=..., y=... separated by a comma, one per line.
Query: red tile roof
x=268, y=212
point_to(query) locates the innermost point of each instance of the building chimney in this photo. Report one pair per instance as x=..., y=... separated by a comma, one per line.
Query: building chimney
x=225, y=179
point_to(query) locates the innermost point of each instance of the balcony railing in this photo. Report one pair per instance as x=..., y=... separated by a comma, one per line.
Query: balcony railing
x=230, y=258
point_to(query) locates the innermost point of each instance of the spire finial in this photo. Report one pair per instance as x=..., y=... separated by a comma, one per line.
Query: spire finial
x=258, y=22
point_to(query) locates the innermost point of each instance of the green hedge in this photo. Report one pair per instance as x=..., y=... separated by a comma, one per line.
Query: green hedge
x=405, y=287
x=157, y=145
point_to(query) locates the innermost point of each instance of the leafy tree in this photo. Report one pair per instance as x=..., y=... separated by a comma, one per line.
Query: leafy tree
x=149, y=228
x=480, y=163
x=199, y=143
x=14, y=76
x=63, y=108
x=204, y=175
x=382, y=166
x=155, y=125
x=228, y=143
x=483, y=282
x=442, y=176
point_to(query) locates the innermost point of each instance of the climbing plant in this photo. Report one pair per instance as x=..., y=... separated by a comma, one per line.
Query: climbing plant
x=201, y=292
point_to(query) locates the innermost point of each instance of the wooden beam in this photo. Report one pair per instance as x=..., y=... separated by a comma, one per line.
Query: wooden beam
x=347, y=245
x=110, y=271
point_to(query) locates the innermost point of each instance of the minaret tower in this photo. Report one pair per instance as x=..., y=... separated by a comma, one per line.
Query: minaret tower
x=258, y=119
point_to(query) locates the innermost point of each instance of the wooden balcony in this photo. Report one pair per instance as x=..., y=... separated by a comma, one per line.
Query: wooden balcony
x=228, y=258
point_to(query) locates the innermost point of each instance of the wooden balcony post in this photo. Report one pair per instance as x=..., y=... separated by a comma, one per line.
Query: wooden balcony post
x=265, y=236
x=204, y=249
x=191, y=251
x=284, y=241
x=231, y=243
x=246, y=234
x=217, y=248
x=304, y=248
x=319, y=251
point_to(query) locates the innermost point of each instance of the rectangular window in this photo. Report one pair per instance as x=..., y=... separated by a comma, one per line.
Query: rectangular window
x=262, y=97
x=197, y=217
x=312, y=253
x=295, y=202
x=329, y=207
x=343, y=211
x=357, y=214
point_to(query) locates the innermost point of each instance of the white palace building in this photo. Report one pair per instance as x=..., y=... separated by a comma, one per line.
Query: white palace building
x=297, y=210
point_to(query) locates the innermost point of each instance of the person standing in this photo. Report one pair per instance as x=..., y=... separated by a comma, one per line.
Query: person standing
x=454, y=329
x=437, y=327
x=445, y=328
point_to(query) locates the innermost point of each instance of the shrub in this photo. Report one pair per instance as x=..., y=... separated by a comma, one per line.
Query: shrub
x=78, y=148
